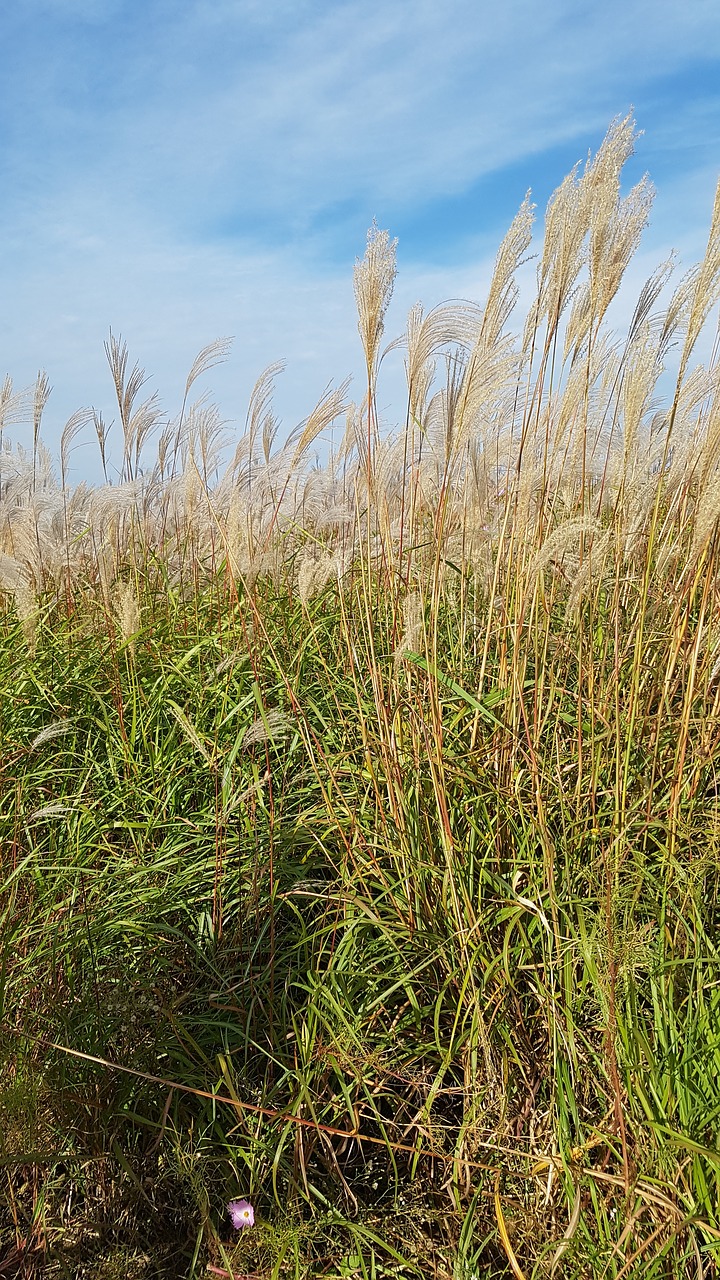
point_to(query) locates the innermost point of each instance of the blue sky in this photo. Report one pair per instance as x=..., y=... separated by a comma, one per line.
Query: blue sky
x=191, y=169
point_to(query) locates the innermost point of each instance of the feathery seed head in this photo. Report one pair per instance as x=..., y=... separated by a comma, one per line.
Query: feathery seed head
x=272, y=726
x=314, y=573
x=55, y=810
x=56, y=730
x=411, y=640
x=374, y=279
x=127, y=612
x=28, y=612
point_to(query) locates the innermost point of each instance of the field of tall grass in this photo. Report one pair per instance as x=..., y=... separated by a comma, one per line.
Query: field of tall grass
x=360, y=818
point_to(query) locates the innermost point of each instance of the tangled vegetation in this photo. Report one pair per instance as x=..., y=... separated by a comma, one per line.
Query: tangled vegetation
x=359, y=819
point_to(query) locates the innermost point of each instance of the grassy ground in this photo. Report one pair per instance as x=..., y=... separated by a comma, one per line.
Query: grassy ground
x=395, y=913
x=360, y=853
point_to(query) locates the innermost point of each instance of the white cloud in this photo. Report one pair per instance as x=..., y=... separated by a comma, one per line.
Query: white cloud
x=392, y=103
x=221, y=110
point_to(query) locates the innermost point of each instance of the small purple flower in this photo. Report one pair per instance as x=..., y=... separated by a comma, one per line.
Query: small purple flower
x=241, y=1213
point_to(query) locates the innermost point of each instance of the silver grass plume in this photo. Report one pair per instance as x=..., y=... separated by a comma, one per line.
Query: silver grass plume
x=127, y=614
x=270, y=727
x=213, y=354
x=374, y=278
x=13, y=574
x=649, y=295
x=687, y=458
x=707, y=507
x=419, y=366
x=503, y=292
x=260, y=421
x=41, y=395
x=578, y=326
x=330, y=406
x=709, y=455
x=127, y=386
x=28, y=613
x=589, y=205
x=561, y=548
x=56, y=730
x=706, y=516
x=206, y=439
x=411, y=640
x=706, y=287
x=74, y=425
x=591, y=571
x=138, y=422
x=615, y=224
x=55, y=810
x=314, y=573
x=677, y=314
x=482, y=387
x=641, y=376
x=231, y=659
x=621, y=239
x=14, y=405
x=101, y=431
x=453, y=325
x=475, y=384
x=566, y=224
x=353, y=441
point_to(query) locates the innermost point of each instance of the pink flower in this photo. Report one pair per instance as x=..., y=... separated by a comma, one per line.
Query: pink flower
x=241, y=1213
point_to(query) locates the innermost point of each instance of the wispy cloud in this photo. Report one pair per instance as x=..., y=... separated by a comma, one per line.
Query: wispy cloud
x=211, y=110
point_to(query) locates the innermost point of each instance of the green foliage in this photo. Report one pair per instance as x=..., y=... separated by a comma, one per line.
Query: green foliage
x=391, y=919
